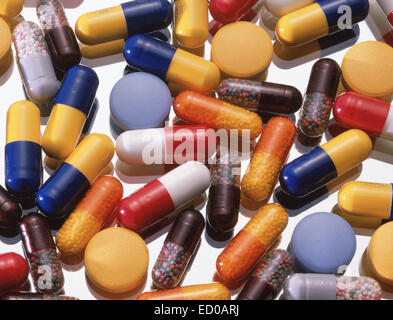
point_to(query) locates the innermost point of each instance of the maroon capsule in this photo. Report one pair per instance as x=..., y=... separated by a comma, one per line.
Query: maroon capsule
x=10, y=211
x=34, y=296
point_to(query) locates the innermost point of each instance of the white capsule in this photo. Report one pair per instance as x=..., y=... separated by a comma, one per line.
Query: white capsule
x=280, y=8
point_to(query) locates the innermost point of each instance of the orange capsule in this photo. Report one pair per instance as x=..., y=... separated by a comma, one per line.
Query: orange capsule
x=89, y=216
x=210, y=291
x=201, y=109
x=245, y=250
x=269, y=156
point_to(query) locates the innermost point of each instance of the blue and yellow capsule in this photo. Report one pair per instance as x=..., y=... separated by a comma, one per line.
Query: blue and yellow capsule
x=319, y=19
x=321, y=165
x=68, y=116
x=122, y=21
x=170, y=63
x=62, y=191
x=23, y=165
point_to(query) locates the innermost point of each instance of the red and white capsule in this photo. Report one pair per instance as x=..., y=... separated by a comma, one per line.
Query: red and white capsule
x=387, y=7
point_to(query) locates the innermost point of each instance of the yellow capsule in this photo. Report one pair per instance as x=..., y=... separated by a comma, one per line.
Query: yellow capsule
x=103, y=49
x=10, y=8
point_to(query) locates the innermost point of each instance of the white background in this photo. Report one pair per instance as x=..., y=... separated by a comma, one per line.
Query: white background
x=110, y=70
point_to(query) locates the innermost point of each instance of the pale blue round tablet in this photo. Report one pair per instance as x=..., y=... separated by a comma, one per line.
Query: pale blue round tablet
x=323, y=243
x=139, y=101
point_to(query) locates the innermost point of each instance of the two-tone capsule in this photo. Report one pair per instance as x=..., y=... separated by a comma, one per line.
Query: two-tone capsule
x=244, y=251
x=68, y=116
x=40, y=251
x=170, y=63
x=319, y=99
x=10, y=211
x=62, y=191
x=14, y=271
x=226, y=11
x=122, y=21
x=201, y=109
x=23, y=163
x=321, y=165
x=280, y=8
x=168, y=145
x=270, y=154
x=319, y=19
x=35, y=64
x=387, y=7
x=160, y=197
x=310, y=286
x=89, y=216
x=34, y=296
x=210, y=291
x=178, y=249
x=60, y=38
x=268, y=277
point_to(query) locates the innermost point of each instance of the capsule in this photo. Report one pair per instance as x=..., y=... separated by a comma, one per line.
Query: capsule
x=270, y=154
x=23, y=164
x=319, y=99
x=179, y=247
x=89, y=216
x=205, y=110
x=321, y=165
x=387, y=7
x=10, y=211
x=170, y=63
x=170, y=145
x=34, y=296
x=269, y=277
x=68, y=116
x=280, y=8
x=122, y=21
x=226, y=11
x=60, y=38
x=224, y=196
x=160, y=197
x=6, y=56
x=319, y=19
x=40, y=251
x=260, y=96
x=242, y=254
x=14, y=271
x=210, y=291
x=35, y=65
x=311, y=286
x=63, y=190
x=378, y=17
x=10, y=8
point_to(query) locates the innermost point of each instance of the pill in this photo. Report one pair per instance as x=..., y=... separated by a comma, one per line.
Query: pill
x=244, y=251
x=260, y=96
x=160, y=197
x=10, y=211
x=89, y=216
x=178, y=249
x=322, y=242
x=10, y=8
x=319, y=19
x=23, y=164
x=35, y=65
x=68, y=116
x=321, y=165
x=40, y=251
x=318, y=102
x=14, y=271
x=168, y=145
x=34, y=296
x=205, y=110
x=226, y=11
x=60, y=38
x=280, y=8
x=387, y=7
x=170, y=63
x=268, y=277
x=116, y=260
x=63, y=190
x=6, y=56
x=309, y=286
x=270, y=154
x=223, y=204
x=210, y=291
x=378, y=17
x=356, y=221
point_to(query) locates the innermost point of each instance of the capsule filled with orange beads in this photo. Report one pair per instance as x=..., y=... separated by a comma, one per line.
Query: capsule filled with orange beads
x=271, y=152
x=244, y=251
x=209, y=291
x=201, y=109
x=89, y=216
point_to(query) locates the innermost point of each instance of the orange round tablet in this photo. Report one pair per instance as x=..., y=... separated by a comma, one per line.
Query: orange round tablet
x=116, y=260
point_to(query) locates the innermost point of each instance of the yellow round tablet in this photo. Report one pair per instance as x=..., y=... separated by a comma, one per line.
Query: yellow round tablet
x=5, y=46
x=380, y=253
x=367, y=68
x=116, y=260
x=10, y=8
x=242, y=50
